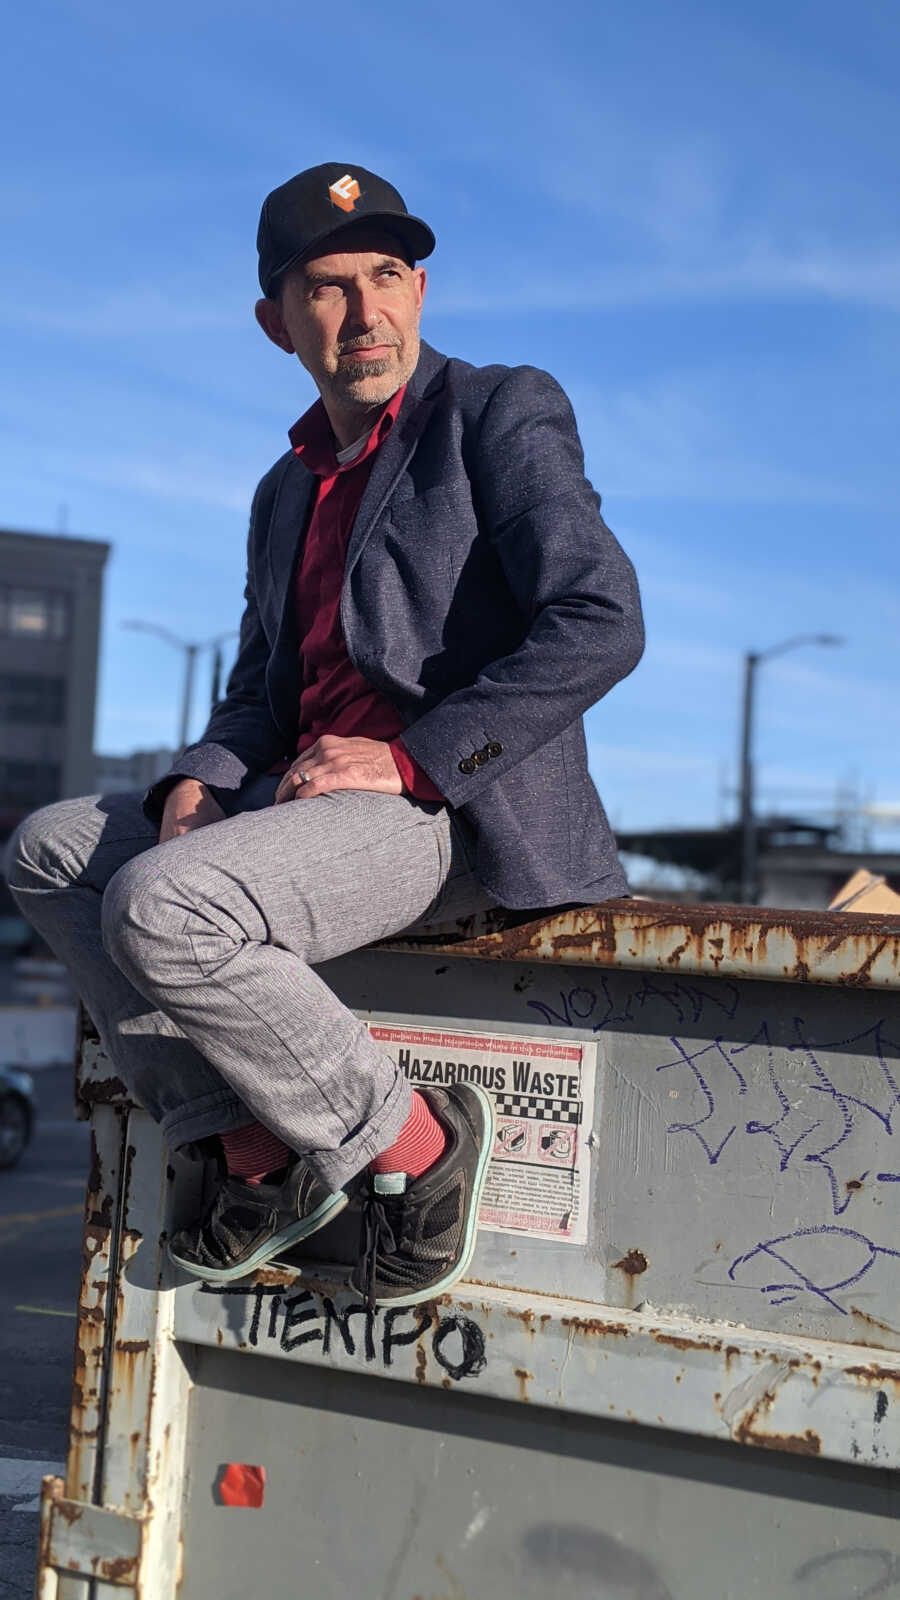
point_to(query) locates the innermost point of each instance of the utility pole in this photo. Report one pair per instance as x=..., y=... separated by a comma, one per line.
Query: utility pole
x=190, y=662
x=191, y=651
x=215, y=693
x=748, y=818
x=748, y=821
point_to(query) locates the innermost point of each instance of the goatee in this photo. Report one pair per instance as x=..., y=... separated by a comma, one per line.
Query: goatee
x=354, y=371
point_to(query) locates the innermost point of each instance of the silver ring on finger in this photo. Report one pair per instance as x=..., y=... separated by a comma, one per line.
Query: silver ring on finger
x=303, y=775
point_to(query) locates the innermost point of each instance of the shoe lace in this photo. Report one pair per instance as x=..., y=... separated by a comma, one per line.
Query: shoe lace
x=379, y=1220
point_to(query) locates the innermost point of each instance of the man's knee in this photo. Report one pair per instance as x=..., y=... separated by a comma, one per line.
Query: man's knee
x=36, y=856
x=169, y=907
x=148, y=907
x=127, y=918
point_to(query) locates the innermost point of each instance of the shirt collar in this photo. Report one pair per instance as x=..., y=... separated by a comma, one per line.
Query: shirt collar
x=314, y=442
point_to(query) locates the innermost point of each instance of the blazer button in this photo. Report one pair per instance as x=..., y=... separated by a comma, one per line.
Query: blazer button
x=480, y=758
x=468, y=766
x=495, y=748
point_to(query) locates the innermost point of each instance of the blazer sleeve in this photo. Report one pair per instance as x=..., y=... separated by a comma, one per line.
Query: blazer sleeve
x=570, y=578
x=241, y=738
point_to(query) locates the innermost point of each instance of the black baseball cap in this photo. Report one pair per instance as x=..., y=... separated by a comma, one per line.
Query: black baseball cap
x=327, y=200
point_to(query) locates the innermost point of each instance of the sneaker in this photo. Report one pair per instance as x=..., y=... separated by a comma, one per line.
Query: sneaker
x=249, y=1223
x=419, y=1233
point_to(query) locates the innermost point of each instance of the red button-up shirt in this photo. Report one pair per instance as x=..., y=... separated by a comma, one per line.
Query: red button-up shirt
x=334, y=697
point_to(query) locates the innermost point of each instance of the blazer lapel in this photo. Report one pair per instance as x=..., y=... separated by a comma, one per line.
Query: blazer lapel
x=392, y=457
x=287, y=530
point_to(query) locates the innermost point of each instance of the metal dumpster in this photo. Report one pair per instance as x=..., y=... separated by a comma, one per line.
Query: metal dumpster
x=674, y=1370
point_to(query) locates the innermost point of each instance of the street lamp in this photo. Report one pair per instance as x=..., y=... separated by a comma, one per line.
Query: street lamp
x=191, y=652
x=752, y=660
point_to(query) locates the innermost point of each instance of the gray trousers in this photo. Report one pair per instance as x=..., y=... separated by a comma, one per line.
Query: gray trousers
x=194, y=957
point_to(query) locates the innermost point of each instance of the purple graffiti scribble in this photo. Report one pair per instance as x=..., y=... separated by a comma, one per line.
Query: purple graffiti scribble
x=781, y=1130
x=797, y=1135
x=807, y=1274
x=875, y=1040
x=686, y=1059
x=845, y=1102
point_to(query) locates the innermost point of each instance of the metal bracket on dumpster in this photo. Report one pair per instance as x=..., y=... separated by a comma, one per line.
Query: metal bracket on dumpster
x=83, y=1541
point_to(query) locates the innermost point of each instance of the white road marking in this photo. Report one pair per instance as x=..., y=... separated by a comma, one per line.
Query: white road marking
x=26, y=1218
x=46, y=1311
x=53, y=1182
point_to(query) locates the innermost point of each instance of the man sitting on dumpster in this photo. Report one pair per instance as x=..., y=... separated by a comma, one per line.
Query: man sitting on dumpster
x=433, y=601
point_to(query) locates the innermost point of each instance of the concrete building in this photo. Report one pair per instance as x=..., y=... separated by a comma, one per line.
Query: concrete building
x=125, y=774
x=51, y=591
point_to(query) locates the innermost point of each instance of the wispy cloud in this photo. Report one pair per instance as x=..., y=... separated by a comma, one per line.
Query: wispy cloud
x=634, y=763
x=195, y=480
x=847, y=706
x=680, y=436
x=814, y=272
x=128, y=314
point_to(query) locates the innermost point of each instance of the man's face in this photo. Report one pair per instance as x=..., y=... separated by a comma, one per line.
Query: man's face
x=352, y=318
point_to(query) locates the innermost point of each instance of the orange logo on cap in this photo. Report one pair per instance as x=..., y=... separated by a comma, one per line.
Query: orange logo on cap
x=345, y=192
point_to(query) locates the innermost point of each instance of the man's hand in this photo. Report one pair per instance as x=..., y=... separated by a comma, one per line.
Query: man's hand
x=334, y=763
x=188, y=806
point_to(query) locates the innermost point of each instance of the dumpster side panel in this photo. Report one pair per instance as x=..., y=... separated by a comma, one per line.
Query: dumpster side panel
x=387, y=1491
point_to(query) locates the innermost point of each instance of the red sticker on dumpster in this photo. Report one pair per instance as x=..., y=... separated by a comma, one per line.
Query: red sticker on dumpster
x=241, y=1485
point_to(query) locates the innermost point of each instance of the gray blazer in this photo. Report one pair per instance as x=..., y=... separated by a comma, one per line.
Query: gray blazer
x=484, y=596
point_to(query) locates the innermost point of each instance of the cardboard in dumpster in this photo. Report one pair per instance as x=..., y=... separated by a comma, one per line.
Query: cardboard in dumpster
x=543, y=1097
x=869, y=892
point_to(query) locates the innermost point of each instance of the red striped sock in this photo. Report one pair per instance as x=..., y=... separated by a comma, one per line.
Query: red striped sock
x=252, y=1152
x=419, y=1144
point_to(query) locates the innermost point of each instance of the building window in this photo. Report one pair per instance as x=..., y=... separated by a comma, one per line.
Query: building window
x=33, y=698
x=33, y=613
x=24, y=785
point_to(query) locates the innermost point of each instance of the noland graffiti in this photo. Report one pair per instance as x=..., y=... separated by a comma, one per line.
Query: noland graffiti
x=294, y=1317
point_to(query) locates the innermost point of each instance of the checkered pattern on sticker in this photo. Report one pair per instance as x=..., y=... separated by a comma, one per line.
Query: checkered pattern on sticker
x=538, y=1107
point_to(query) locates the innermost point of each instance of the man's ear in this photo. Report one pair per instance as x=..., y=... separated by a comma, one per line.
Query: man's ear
x=268, y=315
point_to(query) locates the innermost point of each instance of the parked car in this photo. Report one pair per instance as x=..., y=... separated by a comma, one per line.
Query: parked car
x=18, y=1109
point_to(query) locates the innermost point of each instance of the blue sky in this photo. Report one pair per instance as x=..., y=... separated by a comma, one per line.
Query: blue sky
x=687, y=213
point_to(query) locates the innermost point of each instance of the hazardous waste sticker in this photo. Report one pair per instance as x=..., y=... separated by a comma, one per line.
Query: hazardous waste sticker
x=543, y=1096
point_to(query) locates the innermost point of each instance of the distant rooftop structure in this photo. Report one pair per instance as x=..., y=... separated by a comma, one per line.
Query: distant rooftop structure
x=807, y=879
x=715, y=853
x=51, y=594
x=802, y=864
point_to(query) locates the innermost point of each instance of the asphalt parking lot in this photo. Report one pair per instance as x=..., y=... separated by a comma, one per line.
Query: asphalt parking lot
x=40, y=1252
